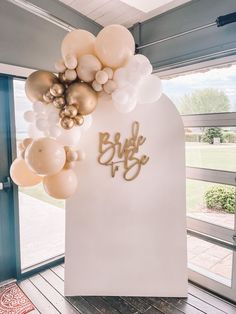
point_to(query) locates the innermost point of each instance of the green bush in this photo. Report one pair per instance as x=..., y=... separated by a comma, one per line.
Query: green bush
x=221, y=198
x=210, y=133
x=192, y=137
x=229, y=137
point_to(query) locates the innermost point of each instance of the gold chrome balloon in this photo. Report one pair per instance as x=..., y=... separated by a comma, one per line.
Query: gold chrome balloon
x=57, y=90
x=70, y=111
x=82, y=96
x=67, y=123
x=79, y=120
x=47, y=97
x=59, y=102
x=38, y=83
x=62, y=113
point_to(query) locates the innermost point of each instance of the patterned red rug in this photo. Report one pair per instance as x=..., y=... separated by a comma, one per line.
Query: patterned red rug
x=14, y=301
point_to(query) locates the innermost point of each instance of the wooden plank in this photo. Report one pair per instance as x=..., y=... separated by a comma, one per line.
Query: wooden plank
x=35, y=296
x=59, y=270
x=101, y=305
x=78, y=302
x=53, y=295
x=119, y=304
x=202, y=306
x=209, y=298
x=82, y=305
x=163, y=306
x=141, y=305
x=181, y=305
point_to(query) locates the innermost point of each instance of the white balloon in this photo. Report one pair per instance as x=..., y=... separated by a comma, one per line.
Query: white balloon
x=33, y=132
x=29, y=116
x=88, y=120
x=121, y=77
x=42, y=124
x=126, y=108
x=53, y=117
x=54, y=131
x=150, y=89
x=124, y=95
x=70, y=137
x=38, y=107
x=140, y=64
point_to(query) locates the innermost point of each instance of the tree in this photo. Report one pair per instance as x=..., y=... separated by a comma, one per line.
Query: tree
x=204, y=101
x=210, y=133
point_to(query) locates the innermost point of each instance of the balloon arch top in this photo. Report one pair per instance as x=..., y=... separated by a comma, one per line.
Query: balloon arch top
x=91, y=69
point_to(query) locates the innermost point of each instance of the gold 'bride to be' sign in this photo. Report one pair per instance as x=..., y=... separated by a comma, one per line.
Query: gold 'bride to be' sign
x=113, y=153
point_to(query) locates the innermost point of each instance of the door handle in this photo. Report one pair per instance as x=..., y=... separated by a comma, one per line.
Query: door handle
x=6, y=184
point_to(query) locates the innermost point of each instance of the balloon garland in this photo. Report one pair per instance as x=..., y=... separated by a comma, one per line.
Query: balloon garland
x=91, y=68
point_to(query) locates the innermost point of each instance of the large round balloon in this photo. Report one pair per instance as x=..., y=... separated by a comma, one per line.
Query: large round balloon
x=61, y=185
x=82, y=96
x=22, y=175
x=38, y=83
x=114, y=45
x=45, y=156
x=77, y=43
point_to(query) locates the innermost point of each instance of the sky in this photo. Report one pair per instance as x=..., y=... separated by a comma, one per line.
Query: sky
x=220, y=78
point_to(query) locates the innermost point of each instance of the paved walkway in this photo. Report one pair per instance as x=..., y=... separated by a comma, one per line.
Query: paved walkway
x=42, y=230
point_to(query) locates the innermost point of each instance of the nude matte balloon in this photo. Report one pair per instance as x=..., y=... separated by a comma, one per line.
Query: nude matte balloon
x=87, y=67
x=114, y=45
x=22, y=175
x=78, y=42
x=61, y=185
x=45, y=156
x=38, y=83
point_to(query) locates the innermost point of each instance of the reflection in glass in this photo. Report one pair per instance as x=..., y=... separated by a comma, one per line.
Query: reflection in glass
x=42, y=218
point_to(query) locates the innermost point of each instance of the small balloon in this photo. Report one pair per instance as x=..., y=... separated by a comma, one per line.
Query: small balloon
x=88, y=67
x=42, y=124
x=45, y=156
x=33, y=132
x=61, y=185
x=54, y=131
x=57, y=90
x=60, y=66
x=71, y=155
x=71, y=61
x=39, y=107
x=67, y=123
x=29, y=116
x=48, y=97
x=101, y=77
x=59, y=102
x=96, y=86
x=70, y=137
x=110, y=86
x=53, y=117
x=70, y=111
x=22, y=175
x=79, y=120
x=121, y=77
x=109, y=72
x=70, y=75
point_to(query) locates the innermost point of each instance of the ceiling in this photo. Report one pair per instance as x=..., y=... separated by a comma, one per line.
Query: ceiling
x=107, y=12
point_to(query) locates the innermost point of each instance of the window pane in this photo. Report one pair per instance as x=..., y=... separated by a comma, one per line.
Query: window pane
x=41, y=217
x=213, y=148
x=211, y=202
x=210, y=260
x=204, y=92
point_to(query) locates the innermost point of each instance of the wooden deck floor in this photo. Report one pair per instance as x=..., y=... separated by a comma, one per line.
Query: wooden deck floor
x=46, y=291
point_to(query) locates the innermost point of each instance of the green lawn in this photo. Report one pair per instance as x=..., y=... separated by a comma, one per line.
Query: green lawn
x=220, y=157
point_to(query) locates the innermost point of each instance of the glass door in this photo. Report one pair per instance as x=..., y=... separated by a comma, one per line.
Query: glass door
x=9, y=260
x=206, y=99
x=42, y=218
